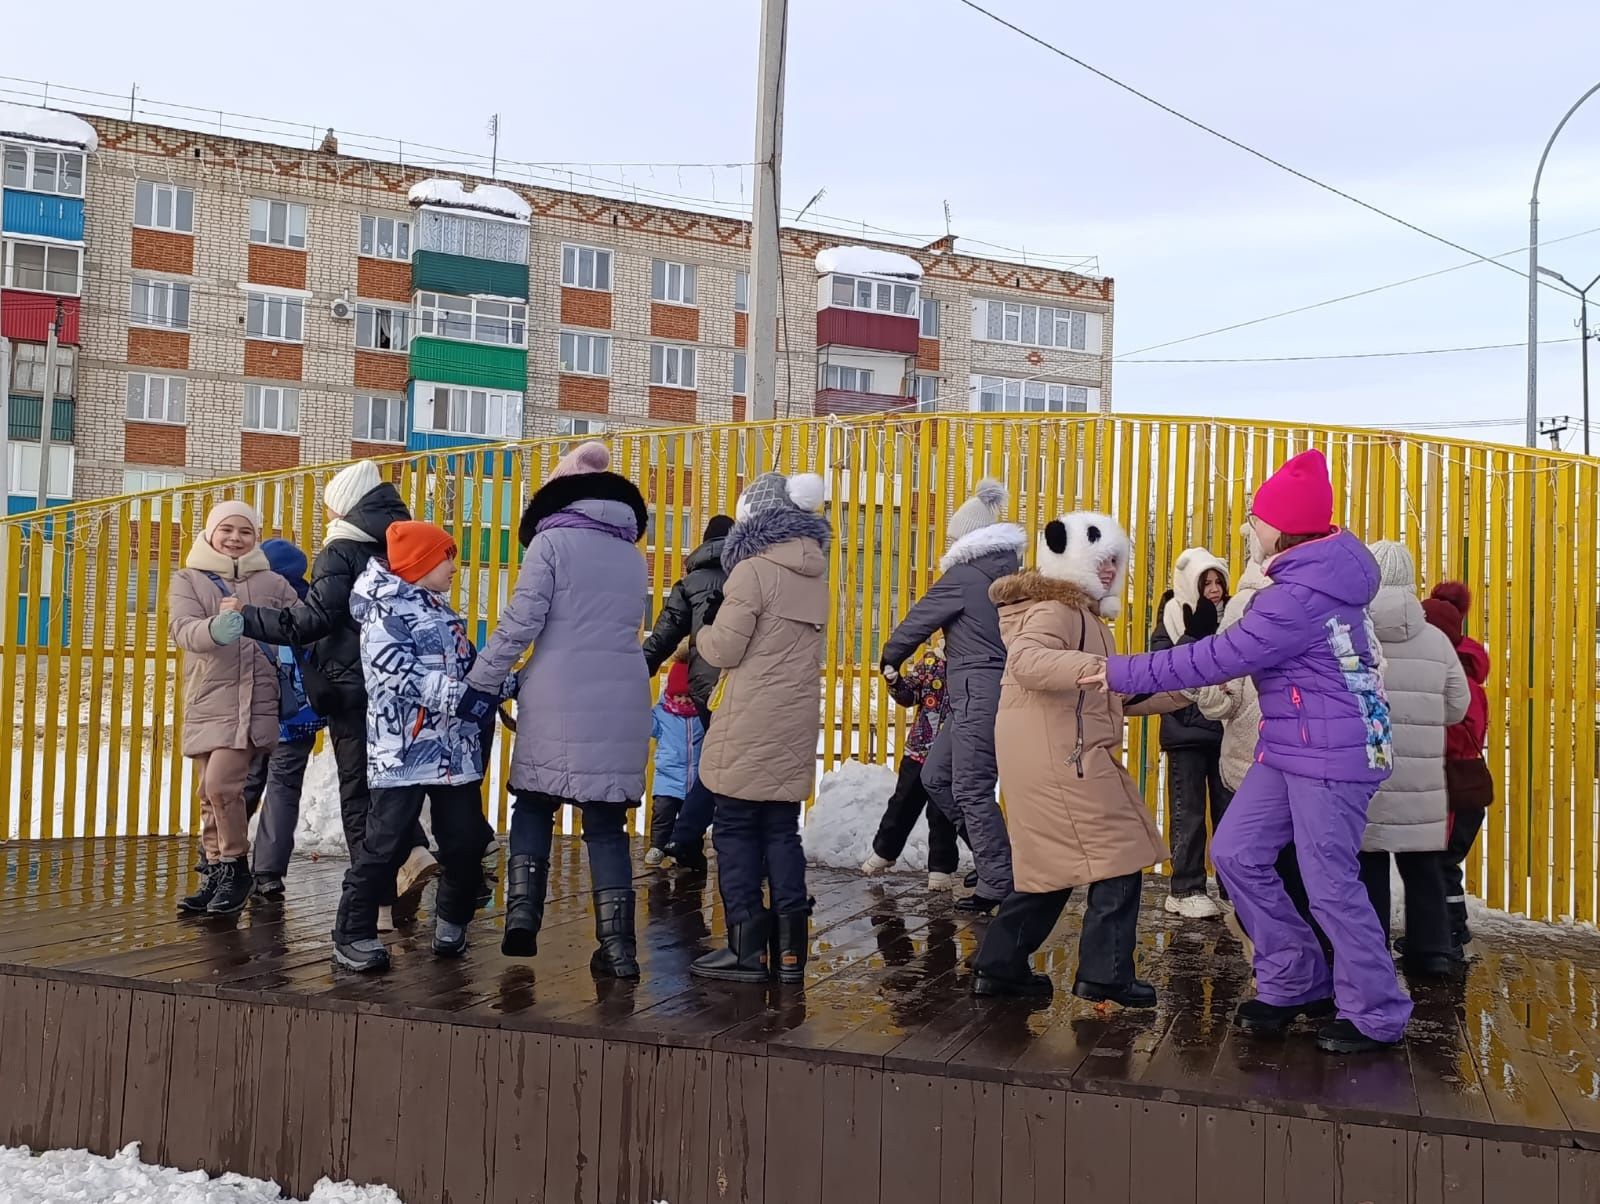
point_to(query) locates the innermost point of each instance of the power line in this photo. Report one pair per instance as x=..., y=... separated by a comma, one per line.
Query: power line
x=1350, y=355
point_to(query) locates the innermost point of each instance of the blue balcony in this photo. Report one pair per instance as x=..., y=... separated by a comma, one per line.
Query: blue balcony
x=41, y=216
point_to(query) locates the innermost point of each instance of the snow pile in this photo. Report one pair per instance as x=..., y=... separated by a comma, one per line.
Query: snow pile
x=79, y=1177
x=46, y=125
x=867, y=261
x=485, y=198
x=842, y=822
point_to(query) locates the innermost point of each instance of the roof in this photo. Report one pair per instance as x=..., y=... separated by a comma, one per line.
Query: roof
x=28, y=123
x=485, y=198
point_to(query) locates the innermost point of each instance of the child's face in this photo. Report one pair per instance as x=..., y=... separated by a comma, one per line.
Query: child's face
x=1212, y=588
x=439, y=577
x=233, y=537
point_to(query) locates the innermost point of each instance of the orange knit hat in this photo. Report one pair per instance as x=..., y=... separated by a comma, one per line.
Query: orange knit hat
x=416, y=548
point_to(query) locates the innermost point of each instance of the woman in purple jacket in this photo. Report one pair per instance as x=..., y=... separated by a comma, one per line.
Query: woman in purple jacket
x=1324, y=747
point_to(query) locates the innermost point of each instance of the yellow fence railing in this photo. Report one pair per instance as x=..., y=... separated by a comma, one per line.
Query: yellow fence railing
x=90, y=682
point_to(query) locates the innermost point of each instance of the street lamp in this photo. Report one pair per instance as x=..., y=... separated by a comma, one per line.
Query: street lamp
x=1583, y=338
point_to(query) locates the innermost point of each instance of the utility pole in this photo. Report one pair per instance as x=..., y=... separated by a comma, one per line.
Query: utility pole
x=494, y=153
x=1583, y=337
x=1554, y=428
x=5, y=464
x=766, y=300
x=47, y=407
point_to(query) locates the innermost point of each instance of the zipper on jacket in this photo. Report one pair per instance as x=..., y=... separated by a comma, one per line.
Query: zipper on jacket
x=1075, y=758
x=1299, y=714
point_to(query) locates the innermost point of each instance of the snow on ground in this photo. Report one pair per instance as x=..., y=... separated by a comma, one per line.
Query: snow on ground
x=79, y=1177
x=841, y=823
x=46, y=125
x=485, y=198
x=867, y=261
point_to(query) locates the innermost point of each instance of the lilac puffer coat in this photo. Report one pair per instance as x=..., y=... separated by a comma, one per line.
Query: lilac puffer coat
x=1309, y=646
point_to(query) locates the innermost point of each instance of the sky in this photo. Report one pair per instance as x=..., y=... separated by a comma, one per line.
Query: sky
x=1436, y=113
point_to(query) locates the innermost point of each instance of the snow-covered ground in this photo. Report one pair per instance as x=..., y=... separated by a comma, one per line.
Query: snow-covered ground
x=841, y=823
x=79, y=1177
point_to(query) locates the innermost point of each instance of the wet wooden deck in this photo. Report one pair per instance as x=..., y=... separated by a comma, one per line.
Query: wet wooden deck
x=234, y=1044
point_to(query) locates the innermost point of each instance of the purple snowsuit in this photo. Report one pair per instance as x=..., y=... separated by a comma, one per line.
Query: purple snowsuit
x=1324, y=748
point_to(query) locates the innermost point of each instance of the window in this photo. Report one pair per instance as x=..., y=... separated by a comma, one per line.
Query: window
x=142, y=480
x=570, y=427
x=379, y=419
x=474, y=237
x=930, y=319
x=35, y=169
x=156, y=398
x=586, y=354
x=383, y=328
x=159, y=303
x=272, y=409
x=24, y=478
x=741, y=371
x=386, y=238
x=1002, y=394
x=672, y=282
x=586, y=267
x=473, y=319
x=28, y=368
x=741, y=292
x=882, y=296
x=1032, y=325
x=278, y=223
x=927, y=391
x=672, y=366
x=452, y=410
x=274, y=316
x=855, y=380
x=163, y=207
x=44, y=268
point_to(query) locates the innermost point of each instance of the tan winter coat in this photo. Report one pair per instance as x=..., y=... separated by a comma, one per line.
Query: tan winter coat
x=767, y=638
x=230, y=692
x=1073, y=813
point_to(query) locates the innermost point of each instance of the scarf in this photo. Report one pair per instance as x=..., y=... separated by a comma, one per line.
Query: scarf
x=205, y=558
x=340, y=529
x=680, y=705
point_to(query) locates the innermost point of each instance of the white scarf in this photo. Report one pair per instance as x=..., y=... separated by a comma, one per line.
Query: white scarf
x=339, y=529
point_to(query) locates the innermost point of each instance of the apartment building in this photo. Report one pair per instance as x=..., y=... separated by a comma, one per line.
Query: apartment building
x=239, y=306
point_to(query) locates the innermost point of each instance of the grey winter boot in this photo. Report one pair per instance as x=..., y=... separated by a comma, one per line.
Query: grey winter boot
x=233, y=884
x=196, y=904
x=449, y=940
x=364, y=956
x=617, y=956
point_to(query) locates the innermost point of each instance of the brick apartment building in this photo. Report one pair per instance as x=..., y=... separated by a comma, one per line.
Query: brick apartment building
x=234, y=306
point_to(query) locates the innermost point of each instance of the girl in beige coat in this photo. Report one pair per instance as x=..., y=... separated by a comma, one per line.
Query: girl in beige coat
x=230, y=689
x=1076, y=817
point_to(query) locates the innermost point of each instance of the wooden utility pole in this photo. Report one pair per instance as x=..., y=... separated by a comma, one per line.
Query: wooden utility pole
x=766, y=293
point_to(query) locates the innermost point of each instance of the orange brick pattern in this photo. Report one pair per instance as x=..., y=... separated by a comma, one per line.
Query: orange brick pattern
x=585, y=307
x=277, y=266
x=381, y=371
x=264, y=453
x=585, y=394
x=741, y=329
x=158, y=348
x=928, y=355
x=360, y=450
x=278, y=361
x=163, y=251
x=672, y=405
x=739, y=404
x=154, y=443
x=674, y=322
x=383, y=280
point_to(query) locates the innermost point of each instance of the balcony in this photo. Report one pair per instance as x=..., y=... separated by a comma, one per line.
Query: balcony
x=41, y=216
x=872, y=330
x=27, y=316
x=25, y=413
x=847, y=403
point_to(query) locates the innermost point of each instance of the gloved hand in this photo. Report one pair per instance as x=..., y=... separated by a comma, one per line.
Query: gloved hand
x=477, y=707
x=713, y=605
x=1201, y=620
x=226, y=628
x=891, y=674
x=505, y=718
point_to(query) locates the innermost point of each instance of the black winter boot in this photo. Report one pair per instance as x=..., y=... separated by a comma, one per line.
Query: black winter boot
x=195, y=904
x=690, y=858
x=526, y=882
x=617, y=956
x=233, y=886
x=791, y=944
x=1136, y=994
x=1274, y=1019
x=745, y=958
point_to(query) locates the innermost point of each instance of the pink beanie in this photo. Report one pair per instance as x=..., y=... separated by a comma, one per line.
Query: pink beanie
x=1298, y=498
x=591, y=456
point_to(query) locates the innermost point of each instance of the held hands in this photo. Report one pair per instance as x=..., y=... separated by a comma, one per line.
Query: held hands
x=230, y=606
x=1095, y=679
x=228, y=626
x=1201, y=620
x=477, y=707
x=890, y=673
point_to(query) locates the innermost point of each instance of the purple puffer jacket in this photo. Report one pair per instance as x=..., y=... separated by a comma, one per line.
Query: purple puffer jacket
x=1308, y=644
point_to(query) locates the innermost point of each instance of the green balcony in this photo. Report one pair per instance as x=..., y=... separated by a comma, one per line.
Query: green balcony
x=448, y=362
x=434, y=271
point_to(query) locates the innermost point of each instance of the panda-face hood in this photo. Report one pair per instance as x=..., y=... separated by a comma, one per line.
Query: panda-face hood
x=1073, y=547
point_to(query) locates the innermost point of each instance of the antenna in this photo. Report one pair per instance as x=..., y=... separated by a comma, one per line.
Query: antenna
x=947, y=219
x=821, y=192
x=494, y=133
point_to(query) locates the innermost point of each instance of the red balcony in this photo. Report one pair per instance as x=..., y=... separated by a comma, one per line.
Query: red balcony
x=846, y=403
x=27, y=316
x=869, y=329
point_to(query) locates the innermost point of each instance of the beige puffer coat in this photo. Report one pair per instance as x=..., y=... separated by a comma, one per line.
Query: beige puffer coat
x=1234, y=704
x=230, y=692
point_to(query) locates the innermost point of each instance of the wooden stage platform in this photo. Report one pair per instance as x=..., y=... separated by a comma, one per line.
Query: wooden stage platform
x=234, y=1045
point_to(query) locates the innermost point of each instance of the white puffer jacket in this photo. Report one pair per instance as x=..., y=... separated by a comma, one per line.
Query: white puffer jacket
x=1234, y=704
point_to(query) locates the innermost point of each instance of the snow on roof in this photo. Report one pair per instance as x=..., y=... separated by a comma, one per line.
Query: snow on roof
x=485, y=198
x=46, y=125
x=867, y=261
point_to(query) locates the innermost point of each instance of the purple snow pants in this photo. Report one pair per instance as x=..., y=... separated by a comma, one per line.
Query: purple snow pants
x=1325, y=820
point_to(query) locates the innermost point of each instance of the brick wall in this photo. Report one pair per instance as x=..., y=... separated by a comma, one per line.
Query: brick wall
x=584, y=394
x=264, y=453
x=383, y=280
x=163, y=251
x=277, y=266
x=928, y=355
x=277, y=361
x=585, y=307
x=741, y=328
x=381, y=372
x=676, y=322
x=154, y=443
x=158, y=348
x=360, y=450
x=672, y=405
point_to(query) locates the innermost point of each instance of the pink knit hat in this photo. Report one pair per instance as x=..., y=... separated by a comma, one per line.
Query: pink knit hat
x=591, y=456
x=1298, y=498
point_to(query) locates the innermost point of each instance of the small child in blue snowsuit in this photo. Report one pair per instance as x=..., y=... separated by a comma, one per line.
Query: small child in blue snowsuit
x=676, y=728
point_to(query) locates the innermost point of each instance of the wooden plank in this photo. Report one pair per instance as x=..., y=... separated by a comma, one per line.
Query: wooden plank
x=273, y=1123
x=470, y=1121
x=1372, y=1164
x=149, y=1067
x=194, y=1070
x=322, y=1087
x=963, y=1158
x=1162, y=1157
x=795, y=1103
x=99, y=1122
x=1300, y=1161
x=738, y=1126
x=1578, y=1176
x=573, y=1147
x=419, y=1133
x=1100, y=1147
x=1230, y=1157
x=62, y=1070
x=908, y=1171
x=374, y=1099
x=1463, y=1170
x=627, y=1082
x=1519, y=1172
x=522, y=1081
x=24, y=1048
x=1425, y=1168
x=852, y=1128
x=699, y=1081
x=672, y=1104
x=233, y=1088
x=1032, y=1146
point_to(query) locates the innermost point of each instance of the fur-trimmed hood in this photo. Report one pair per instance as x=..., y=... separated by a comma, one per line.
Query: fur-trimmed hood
x=1030, y=585
x=1191, y=566
x=997, y=537
x=1073, y=547
x=768, y=528
x=558, y=493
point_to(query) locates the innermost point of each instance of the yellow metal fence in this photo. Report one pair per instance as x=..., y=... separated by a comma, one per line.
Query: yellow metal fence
x=90, y=682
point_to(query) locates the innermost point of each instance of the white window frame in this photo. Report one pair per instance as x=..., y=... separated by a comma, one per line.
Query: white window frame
x=147, y=196
x=53, y=252
x=295, y=220
x=928, y=322
x=275, y=317
x=876, y=296
x=30, y=158
x=570, y=427
x=672, y=366
x=859, y=380
x=501, y=410
x=171, y=409
x=369, y=238
x=741, y=368
x=372, y=315
x=1023, y=324
x=927, y=389
x=143, y=480
x=394, y=418
x=572, y=264
x=741, y=292
x=582, y=353
x=280, y=399
x=168, y=291
x=672, y=282
x=30, y=358
x=440, y=320
x=24, y=478
x=1019, y=395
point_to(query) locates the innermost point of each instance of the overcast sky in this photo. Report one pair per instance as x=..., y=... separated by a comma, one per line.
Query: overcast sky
x=1435, y=112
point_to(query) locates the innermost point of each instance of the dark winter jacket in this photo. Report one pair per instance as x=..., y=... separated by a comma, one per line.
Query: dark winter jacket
x=1187, y=728
x=289, y=562
x=322, y=622
x=683, y=616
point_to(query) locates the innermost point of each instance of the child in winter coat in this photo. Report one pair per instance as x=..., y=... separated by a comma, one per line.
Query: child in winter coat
x=676, y=729
x=922, y=686
x=415, y=655
x=1324, y=748
x=230, y=690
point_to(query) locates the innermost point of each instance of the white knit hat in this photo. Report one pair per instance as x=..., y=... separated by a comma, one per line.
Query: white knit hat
x=1395, y=565
x=984, y=508
x=349, y=485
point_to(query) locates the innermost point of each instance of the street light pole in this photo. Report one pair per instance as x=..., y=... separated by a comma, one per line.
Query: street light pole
x=1583, y=337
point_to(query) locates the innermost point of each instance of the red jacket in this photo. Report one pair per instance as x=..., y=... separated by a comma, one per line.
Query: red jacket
x=1465, y=741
